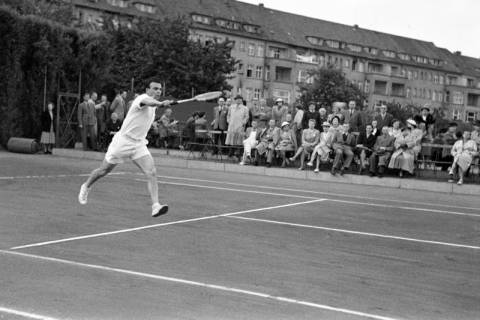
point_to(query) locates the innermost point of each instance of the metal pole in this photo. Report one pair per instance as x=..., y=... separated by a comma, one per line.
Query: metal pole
x=132, y=84
x=45, y=89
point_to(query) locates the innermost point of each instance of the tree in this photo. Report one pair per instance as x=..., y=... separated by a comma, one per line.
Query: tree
x=329, y=85
x=59, y=11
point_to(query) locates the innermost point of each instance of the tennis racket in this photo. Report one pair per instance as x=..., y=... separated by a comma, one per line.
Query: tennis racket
x=202, y=97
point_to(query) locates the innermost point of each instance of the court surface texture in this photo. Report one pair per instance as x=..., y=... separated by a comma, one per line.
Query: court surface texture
x=232, y=246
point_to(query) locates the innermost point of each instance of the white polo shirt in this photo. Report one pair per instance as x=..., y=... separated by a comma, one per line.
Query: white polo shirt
x=138, y=121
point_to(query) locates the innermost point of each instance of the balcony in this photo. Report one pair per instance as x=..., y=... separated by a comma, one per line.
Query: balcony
x=283, y=74
x=398, y=90
x=380, y=87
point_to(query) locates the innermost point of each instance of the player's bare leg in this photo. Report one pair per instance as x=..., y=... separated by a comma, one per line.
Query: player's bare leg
x=147, y=166
x=96, y=174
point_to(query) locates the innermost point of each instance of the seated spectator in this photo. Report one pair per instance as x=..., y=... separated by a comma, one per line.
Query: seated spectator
x=475, y=134
x=201, y=127
x=395, y=131
x=449, y=138
x=310, y=138
x=463, y=152
x=424, y=117
x=381, y=153
x=113, y=126
x=250, y=142
x=335, y=121
x=404, y=156
x=188, y=134
x=268, y=139
x=343, y=143
x=418, y=135
x=336, y=112
x=311, y=113
x=365, y=143
x=323, y=148
x=287, y=142
x=166, y=125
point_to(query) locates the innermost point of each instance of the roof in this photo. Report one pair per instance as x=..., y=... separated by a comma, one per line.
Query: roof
x=468, y=66
x=292, y=29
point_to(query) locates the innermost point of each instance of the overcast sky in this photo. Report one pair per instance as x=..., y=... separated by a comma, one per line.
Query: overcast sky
x=451, y=24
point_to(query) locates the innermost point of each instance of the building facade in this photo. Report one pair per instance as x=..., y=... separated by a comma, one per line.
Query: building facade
x=276, y=50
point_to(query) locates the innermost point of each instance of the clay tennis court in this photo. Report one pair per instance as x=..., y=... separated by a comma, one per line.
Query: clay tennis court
x=231, y=247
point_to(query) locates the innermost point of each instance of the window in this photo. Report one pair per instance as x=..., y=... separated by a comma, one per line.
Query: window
x=248, y=93
x=240, y=68
x=249, y=71
x=346, y=63
x=371, y=50
x=118, y=3
x=283, y=74
x=456, y=115
x=408, y=92
x=251, y=49
x=435, y=78
x=267, y=73
x=242, y=46
x=429, y=94
x=367, y=86
x=259, y=72
x=409, y=75
x=354, y=48
x=256, y=93
x=440, y=96
x=389, y=54
x=250, y=28
x=441, y=79
x=470, y=83
x=221, y=23
x=314, y=40
x=145, y=7
x=404, y=56
x=277, y=53
x=333, y=44
x=202, y=19
x=375, y=67
x=415, y=92
x=415, y=75
x=279, y=93
x=470, y=116
x=360, y=85
x=434, y=95
x=260, y=51
x=457, y=97
x=304, y=77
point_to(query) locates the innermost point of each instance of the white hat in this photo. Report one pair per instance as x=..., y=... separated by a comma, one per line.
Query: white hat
x=285, y=123
x=279, y=100
x=411, y=122
x=326, y=124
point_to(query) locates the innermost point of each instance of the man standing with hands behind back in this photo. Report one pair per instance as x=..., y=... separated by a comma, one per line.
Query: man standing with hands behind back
x=219, y=123
x=87, y=121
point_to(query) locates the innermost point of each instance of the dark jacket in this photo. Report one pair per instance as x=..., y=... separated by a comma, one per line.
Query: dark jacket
x=307, y=115
x=47, y=121
x=381, y=122
x=367, y=142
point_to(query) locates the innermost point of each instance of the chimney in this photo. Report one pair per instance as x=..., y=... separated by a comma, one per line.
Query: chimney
x=355, y=27
x=458, y=53
x=261, y=5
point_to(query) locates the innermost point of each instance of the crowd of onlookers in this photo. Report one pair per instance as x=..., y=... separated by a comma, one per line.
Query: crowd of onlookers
x=340, y=137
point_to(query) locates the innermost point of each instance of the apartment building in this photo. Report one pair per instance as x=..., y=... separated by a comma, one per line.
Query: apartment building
x=277, y=49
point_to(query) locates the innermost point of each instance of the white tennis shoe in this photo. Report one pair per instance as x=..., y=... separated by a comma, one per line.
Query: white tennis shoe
x=159, y=209
x=83, y=194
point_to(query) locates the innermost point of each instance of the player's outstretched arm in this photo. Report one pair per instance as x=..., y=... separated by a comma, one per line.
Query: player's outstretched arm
x=151, y=102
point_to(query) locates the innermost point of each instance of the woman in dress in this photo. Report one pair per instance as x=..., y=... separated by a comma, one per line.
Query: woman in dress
x=279, y=112
x=268, y=139
x=463, y=152
x=323, y=149
x=404, y=156
x=286, y=143
x=310, y=138
x=48, y=131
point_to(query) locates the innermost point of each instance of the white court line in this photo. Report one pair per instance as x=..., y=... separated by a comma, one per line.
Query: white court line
x=57, y=176
x=25, y=314
x=307, y=197
x=204, y=285
x=456, y=245
x=96, y=235
x=316, y=192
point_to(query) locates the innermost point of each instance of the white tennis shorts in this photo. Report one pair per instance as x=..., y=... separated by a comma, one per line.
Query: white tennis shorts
x=123, y=148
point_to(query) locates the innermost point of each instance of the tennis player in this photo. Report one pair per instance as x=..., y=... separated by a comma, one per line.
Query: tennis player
x=131, y=143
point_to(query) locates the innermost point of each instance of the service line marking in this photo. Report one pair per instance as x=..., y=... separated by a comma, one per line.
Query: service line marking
x=103, y=234
x=305, y=191
x=202, y=285
x=25, y=314
x=385, y=236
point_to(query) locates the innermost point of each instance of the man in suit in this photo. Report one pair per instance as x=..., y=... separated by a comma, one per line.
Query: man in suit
x=343, y=142
x=365, y=143
x=219, y=123
x=383, y=118
x=87, y=121
x=382, y=150
x=119, y=105
x=353, y=117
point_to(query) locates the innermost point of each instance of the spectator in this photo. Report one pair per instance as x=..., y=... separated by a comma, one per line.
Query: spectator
x=323, y=148
x=129, y=103
x=404, y=156
x=375, y=130
x=279, y=111
x=336, y=112
x=47, y=138
x=268, y=139
x=384, y=119
x=475, y=135
x=237, y=119
x=395, y=131
x=335, y=121
x=166, y=127
x=298, y=119
x=87, y=121
x=102, y=115
x=381, y=153
x=463, y=152
x=219, y=123
x=201, y=128
x=310, y=138
x=353, y=117
x=342, y=143
x=188, y=134
x=118, y=105
x=365, y=143
x=417, y=134
x=311, y=113
x=112, y=127
x=425, y=117
x=261, y=112
x=323, y=117
x=287, y=142
x=251, y=140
